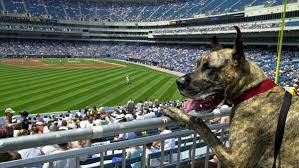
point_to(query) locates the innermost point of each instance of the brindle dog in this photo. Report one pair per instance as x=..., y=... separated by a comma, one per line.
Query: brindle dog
x=225, y=74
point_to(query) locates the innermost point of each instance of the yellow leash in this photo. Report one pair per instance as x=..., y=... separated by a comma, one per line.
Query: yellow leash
x=280, y=40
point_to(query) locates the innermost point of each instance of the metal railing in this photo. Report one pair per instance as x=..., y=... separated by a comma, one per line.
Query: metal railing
x=106, y=131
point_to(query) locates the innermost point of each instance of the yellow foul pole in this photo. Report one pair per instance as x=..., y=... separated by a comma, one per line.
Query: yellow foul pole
x=280, y=40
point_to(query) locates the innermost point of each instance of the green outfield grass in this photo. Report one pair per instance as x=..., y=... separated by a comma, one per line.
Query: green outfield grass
x=41, y=90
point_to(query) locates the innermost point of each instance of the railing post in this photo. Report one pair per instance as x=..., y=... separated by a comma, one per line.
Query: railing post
x=179, y=152
x=102, y=160
x=193, y=151
x=148, y=161
x=223, y=141
x=143, y=161
x=162, y=153
x=123, y=161
x=77, y=162
x=51, y=164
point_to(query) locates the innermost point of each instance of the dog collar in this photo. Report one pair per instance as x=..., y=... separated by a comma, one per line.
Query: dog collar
x=262, y=87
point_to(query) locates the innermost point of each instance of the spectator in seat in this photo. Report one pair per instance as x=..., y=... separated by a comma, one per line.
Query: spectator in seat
x=94, y=111
x=168, y=143
x=130, y=106
x=133, y=152
x=149, y=150
x=30, y=152
x=8, y=124
x=139, y=106
x=25, y=122
x=66, y=163
x=150, y=103
x=146, y=104
x=63, y=125
x=54, y=126
x=129, y=117
x=34, y=130
x=125, y=136
x=39, y=118
x=40, y=126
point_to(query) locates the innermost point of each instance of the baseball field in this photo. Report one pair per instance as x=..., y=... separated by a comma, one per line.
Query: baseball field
x=51, y=85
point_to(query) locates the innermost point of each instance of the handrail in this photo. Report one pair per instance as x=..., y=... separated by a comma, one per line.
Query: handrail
x=30, y=141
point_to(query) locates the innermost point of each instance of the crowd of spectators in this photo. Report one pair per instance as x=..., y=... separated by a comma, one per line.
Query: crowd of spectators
x=46, y=47
x=126, y=11
x=28, y=124
x=218, y=28
x=173, y=57
x=204, y=29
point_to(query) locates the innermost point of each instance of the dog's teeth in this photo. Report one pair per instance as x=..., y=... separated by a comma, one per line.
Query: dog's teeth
x=200, y=105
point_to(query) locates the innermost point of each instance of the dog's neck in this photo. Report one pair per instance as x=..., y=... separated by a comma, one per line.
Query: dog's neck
x=252, y=77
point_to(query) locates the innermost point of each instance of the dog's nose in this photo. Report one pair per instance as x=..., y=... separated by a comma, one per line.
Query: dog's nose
x=183, y=81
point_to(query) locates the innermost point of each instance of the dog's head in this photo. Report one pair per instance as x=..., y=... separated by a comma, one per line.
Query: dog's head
x=219, y=75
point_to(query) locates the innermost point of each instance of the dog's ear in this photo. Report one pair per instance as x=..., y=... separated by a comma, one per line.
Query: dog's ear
x=238, y=51
x=215, y=44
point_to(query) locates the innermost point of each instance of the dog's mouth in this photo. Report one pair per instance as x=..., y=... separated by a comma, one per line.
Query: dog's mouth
x=204, y=104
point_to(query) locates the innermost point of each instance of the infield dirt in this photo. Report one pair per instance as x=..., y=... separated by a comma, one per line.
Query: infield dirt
x=40, y=64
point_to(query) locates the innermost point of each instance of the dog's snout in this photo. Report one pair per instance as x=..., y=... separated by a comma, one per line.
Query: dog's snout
x=183, y=81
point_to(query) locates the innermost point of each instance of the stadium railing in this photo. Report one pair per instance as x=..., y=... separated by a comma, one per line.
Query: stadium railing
x=195, y=143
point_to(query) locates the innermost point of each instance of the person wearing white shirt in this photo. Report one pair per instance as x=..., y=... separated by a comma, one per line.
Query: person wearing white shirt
x=149, y=150
x=149, y=115
x=31, y=153
x=168, y=143
x=65, y=163
x=139, y=106
x=129, y=117
x=83, y=123
x=139, y=116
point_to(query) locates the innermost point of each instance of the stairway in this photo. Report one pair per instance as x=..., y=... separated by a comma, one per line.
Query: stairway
x=25, y=6
x=64, y=10
x=2, y=5
x=46, y=10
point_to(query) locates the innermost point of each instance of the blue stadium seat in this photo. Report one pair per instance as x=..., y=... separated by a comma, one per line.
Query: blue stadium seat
x=55, y=9
x=36, y=8
x=15, y=6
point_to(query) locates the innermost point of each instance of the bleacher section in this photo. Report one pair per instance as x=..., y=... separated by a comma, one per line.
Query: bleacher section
x=104, y=11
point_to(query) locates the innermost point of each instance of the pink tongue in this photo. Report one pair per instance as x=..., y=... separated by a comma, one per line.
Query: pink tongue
x=191, y=104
